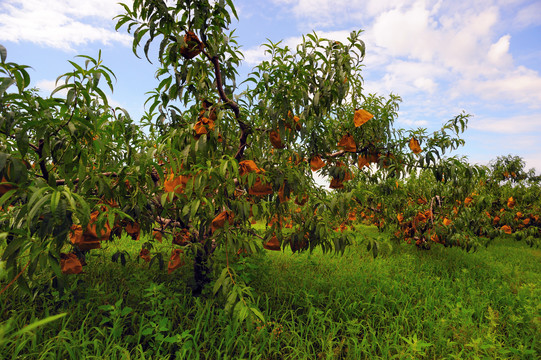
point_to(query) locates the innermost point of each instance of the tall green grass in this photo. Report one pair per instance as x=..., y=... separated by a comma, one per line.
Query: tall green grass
x=405, y=304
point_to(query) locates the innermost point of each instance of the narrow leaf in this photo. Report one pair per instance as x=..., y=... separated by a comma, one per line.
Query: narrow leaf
x=3, y=54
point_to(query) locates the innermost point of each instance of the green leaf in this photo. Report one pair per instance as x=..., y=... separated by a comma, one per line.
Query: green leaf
x=52, y=180
x=103, y=96
x=194, y=208
x=231, y=300
x=37, y=207
x=6, y=196
x=17, y=171
x=77, y=67
x=232, y=7
x=3, y=160
x=55, y=199
x=16, y=244
x=185, y=211
x=22, y=142
x=53, y=262
x=138, y=35
x=147, y=331
x=223, y=169
x=4, y=84
x=61, y=87
x=258, y=313
x=165, y=83
x=122, y=20
x=70, y=96
x=220, y=281
x=125, y=311
x=3, y=54
x=19, y=80
x=240, y=311
x=38, y=323
x=36, y=195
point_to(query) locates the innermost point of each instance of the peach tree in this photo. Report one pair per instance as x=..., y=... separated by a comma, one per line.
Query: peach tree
x=211, y=155
x=456, y=204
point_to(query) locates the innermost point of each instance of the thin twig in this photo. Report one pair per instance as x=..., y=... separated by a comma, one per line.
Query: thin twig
x=15, y=279
x=42, y=165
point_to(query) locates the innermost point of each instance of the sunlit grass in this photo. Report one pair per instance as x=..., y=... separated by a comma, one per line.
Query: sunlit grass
x=407, y=303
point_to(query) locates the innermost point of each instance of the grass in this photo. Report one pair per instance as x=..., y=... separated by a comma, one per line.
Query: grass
x=406, y=304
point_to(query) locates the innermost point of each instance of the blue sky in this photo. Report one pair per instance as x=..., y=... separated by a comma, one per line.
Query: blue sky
x=442, y=57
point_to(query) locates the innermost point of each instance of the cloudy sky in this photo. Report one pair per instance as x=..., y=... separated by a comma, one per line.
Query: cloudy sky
x=443, y=57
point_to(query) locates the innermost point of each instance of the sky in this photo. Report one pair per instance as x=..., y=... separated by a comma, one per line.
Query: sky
x=482, y=57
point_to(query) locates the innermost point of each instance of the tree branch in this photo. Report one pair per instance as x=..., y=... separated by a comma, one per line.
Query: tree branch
x=42, y=165
x=245, y=129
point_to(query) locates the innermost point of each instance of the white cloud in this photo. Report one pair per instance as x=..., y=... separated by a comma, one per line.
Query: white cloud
x=425, y=84
x=46, y=87
x=376, y=7
x=394, y=30
x=528, y=16
x=61, y=24
x=447, y=41
x=321, y=13
x=451, y=48
x=533, y=162
x=454, y=49
x=498, y=53
x=412, y=123
x=521, y=124
x=408, y=77
x=520, y=85
x=255, y=55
